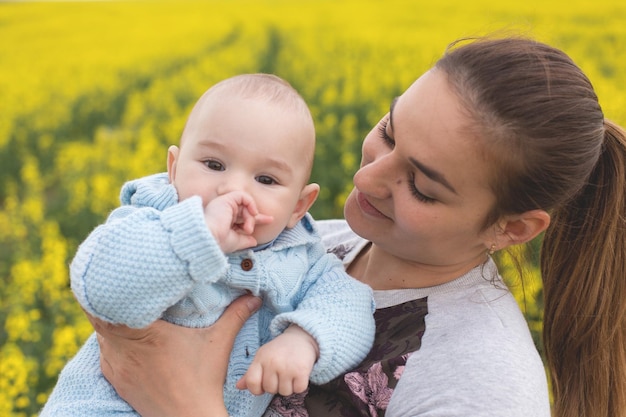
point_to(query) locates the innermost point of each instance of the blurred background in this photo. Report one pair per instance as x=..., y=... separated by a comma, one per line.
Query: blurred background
x=93, y=93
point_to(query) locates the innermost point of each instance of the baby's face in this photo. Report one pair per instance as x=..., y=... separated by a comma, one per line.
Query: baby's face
x=249, y=145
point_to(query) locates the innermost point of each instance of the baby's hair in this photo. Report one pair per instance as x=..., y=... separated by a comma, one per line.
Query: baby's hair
x=262, y=86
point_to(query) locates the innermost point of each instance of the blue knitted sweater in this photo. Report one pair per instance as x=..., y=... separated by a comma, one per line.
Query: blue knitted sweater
x=155, y=258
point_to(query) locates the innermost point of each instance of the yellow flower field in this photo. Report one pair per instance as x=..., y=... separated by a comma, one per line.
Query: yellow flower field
x=92, y=93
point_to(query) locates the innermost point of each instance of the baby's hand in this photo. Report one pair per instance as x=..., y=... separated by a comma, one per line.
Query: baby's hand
x=231, y=218
x=282, y=366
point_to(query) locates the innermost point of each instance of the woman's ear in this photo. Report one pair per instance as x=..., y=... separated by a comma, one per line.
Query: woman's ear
x=172, y=157
x=521, y=228
x=307, y=198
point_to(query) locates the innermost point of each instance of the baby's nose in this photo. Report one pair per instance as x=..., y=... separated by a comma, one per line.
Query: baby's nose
x=231, y=183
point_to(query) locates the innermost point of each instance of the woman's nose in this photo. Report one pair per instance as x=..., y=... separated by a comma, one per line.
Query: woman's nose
x=375, y=175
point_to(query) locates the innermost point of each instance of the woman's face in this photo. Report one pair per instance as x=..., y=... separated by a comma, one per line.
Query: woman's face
x=422, y=192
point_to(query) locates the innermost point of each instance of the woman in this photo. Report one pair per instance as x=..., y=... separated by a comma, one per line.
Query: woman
x=502, y=140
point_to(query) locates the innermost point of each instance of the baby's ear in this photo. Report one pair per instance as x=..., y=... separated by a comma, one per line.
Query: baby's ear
x=307, y=198
x=172, y=158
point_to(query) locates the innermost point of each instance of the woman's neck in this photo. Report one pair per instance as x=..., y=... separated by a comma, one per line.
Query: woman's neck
x=383, y=271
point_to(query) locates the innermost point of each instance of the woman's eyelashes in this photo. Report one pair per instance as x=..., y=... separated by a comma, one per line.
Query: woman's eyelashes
x=416, y=192
x=382, y=128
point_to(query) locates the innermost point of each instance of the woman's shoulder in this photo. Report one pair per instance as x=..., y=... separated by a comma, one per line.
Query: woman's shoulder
x=472, y=361
x=453, y=379
x=334, y=228
x=477, y=356
x=339, y=239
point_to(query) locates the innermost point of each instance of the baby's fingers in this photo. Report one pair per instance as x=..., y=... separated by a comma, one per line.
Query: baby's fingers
x=263, y=219
x=297, y=386
x=248, y=221
x=252, y=380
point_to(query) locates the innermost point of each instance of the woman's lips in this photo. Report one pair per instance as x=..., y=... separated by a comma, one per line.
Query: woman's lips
x=367, y=208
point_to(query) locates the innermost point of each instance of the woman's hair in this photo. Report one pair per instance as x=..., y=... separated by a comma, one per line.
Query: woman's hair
x=549, y=147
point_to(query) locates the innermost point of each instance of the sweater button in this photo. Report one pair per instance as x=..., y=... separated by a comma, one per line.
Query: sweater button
x=247, y=264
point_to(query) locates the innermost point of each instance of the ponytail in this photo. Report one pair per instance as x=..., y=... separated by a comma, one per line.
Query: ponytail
x=583, y=264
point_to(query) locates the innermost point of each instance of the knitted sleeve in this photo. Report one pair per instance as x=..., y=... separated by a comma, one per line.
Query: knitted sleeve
x=337, y=311
x=132, y=268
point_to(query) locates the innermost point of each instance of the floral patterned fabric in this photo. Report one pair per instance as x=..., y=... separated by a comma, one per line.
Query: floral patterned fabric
x=366, y=390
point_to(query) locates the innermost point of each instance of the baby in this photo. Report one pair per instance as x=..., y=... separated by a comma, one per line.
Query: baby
x=229, y=217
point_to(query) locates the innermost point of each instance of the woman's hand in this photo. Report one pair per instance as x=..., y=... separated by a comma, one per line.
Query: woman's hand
x=166, y=370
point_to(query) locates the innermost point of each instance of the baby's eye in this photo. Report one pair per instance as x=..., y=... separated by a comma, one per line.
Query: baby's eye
x=214, y=165
x=264, y=179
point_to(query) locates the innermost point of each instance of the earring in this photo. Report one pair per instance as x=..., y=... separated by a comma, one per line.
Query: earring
x=492, y=249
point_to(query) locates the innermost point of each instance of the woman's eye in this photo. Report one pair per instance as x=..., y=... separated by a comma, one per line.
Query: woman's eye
x=214, y=165
x=416, y=193
x=264, y=179
x=382, y=129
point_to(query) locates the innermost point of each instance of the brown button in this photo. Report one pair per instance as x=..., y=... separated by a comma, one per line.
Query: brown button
x=247, y=264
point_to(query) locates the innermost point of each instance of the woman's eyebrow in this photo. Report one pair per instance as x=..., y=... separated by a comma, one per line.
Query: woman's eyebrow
x=433, y=174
